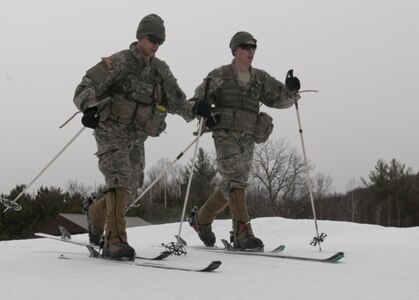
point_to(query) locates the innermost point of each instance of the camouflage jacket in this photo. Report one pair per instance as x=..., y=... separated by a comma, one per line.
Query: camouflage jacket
x=238, y=105
x=137, y=86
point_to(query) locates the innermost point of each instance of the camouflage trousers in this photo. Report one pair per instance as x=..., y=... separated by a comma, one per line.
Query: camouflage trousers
x=234, y=157
x=121, y=156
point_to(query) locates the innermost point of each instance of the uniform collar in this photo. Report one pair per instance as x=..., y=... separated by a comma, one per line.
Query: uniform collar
x=141, y=59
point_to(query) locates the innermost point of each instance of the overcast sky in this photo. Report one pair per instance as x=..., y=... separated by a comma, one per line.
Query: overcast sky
x=362, y=55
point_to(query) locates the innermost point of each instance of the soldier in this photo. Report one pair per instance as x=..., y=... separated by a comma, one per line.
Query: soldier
x=236, y=91
x=125, y=98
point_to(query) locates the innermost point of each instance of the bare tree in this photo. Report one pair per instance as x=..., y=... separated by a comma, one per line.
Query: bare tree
x=277, y=171
x=350, y=202
x=74, y=187
x=321, y=187
x=168, y=185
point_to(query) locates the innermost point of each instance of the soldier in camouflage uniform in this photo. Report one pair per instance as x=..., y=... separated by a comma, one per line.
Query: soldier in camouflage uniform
x=125, y=98
x=236, y=91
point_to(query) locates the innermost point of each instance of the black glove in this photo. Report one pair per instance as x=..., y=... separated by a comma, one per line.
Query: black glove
x=212, y=121
x=90, y=118
x=202, y=109
x=292, y=83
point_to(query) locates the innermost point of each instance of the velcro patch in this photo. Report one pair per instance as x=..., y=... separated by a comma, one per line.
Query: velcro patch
x=108, y=62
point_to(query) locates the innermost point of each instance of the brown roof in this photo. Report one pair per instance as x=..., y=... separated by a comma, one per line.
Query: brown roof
x=77, y=223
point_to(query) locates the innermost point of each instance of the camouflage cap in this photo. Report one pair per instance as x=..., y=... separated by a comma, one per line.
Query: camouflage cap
x=238, y=38
x=151, y=25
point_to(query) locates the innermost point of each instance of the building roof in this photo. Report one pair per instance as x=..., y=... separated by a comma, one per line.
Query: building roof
x=81, y=220
x=77, y=223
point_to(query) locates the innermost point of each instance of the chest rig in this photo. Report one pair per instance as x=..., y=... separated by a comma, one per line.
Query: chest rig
x=237, y=105
x=137, y=96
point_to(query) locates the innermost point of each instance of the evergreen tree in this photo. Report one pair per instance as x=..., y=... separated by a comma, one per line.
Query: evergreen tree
x=204, y=179
x=393, y=190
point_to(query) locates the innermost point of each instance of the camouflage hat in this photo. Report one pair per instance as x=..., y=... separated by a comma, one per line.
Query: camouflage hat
x=151, y=25
x=238, y=38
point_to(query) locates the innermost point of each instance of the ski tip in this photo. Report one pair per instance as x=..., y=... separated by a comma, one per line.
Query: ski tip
x=214, y=265
x=280, y=248
x=162, y=255
x=336, y=257
x=165, y=254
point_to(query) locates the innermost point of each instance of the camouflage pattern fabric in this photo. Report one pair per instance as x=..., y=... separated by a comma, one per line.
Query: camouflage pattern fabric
x=121, y=156
x=111, y=75
x=140, y=89
x=234, y=157
x=234, y=147
x=262, y=86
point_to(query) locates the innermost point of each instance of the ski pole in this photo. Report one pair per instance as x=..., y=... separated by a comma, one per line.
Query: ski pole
x=178, y=242
x=162, y=173
x=46, y=167
x=201, y=124
x=69, y=119
x=308, y=91
x=12, y=203
x=318, y=238
x=309, y=185
x=101, y=104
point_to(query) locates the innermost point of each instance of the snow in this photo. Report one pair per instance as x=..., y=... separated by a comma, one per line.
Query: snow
x=380, y=263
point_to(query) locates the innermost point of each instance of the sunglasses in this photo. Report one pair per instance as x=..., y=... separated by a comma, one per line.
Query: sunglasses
x=155, y=40
x=248, y=47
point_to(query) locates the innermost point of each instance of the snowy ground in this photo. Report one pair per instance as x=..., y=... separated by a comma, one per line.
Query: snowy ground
x=380, y=263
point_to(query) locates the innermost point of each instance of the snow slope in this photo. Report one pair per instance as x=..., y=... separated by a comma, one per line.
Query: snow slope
x=381, y=263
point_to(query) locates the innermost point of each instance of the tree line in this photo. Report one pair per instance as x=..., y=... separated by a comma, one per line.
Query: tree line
x=277, y=187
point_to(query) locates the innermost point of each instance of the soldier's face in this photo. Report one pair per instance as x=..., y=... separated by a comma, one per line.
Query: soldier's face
x=245, y=52
x=146, y=47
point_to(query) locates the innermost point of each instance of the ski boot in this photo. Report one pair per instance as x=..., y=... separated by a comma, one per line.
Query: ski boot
x=116, y=243
x=95, y=234
x=119, y=250
x=242, y=238
x=204, y=231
